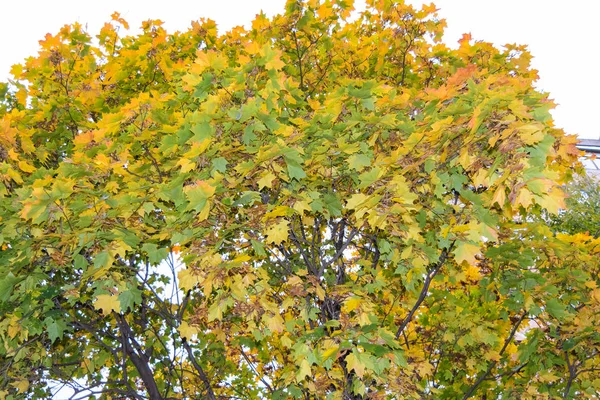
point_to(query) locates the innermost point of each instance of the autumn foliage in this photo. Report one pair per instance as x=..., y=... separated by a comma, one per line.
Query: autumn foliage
x=327, y=205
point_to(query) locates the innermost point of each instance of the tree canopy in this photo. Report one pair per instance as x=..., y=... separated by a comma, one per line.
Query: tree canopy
x=326, y=205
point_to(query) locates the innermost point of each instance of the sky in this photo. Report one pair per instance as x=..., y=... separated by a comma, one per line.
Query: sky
x=563, y=36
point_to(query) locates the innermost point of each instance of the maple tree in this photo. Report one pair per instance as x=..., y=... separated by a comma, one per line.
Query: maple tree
x=318, y=206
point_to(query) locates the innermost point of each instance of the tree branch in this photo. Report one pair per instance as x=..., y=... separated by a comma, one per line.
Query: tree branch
x=255, y=371
x=438, y=266
x=140, y=364
x=209, y=392
x=492, y=364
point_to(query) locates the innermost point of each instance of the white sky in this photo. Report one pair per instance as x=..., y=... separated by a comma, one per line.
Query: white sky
x=563, y=36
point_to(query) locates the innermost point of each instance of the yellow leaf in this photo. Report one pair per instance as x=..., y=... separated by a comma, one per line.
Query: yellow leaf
x=319, y=291
x=25, y=167
x=353, y=363
x=21, y=96
x=279, y=211
x=351, y=304
x=553, y=202
x=14, y=327
x=524, y=198
x=303, y=371
x=266, y=180
x=275, y=63
x=207, y=285
x=472, y=273
x=274, y=323
x=12, y=154
x=465, y=251
x=238, y=289
x=329, y=352
x=107, y=303
x=187, y=281
x=481, y=178
x=499, y=196
x=187, y=331
x=16, y=70
x=203, y=214
x=325, y=11
x=272, y=57
x=425, y=369
x=278, y=233
x=364, y=317
x=215, y=312
x=591, y=284
x=209, y=59
x=197, y=148
x=287, y=342
x=532, y=133
x=102, y=161
x=207, y=189
x=356, y=200
x=547, y=376
x=21, y=385
x=466, y=158
x=14, y=175
x=186, y=165
x=118, y=247
x=252, y=47
x=300, y=206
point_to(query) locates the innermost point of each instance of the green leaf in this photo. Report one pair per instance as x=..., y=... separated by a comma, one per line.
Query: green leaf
x=199, y=194
x=542, y=113
x=79, y=262
x=202, y=131
x=332, y=204
x=219, y=164
x=155, y=254
x=102, y=260
x=55, y=328
x=130, y=297
x=555, y=308
x=359, y=161
x=160, y=116
x=248, y=198
x=6, y=286
x=295, y=171
x=258, y=247
x=368, y=178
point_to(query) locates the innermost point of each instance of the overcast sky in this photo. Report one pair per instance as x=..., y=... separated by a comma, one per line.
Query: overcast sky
x=563, y=36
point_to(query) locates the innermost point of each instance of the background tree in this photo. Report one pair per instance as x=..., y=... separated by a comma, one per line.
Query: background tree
x=316, y=207
x=583, y=208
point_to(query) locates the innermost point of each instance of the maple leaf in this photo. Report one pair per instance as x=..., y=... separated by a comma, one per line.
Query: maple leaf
x=275, y=323
x=356, y=200
x=22, y=385
x=266, y=181
x=466, y=252
x=187, y=281
x=26, y=167
x=107, y=303
x=187, y=331
x=352, y=304
x=354, y=363
x=303, y=371
x=278, y=233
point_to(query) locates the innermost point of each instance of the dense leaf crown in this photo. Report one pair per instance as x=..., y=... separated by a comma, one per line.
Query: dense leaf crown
x=324, y=205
